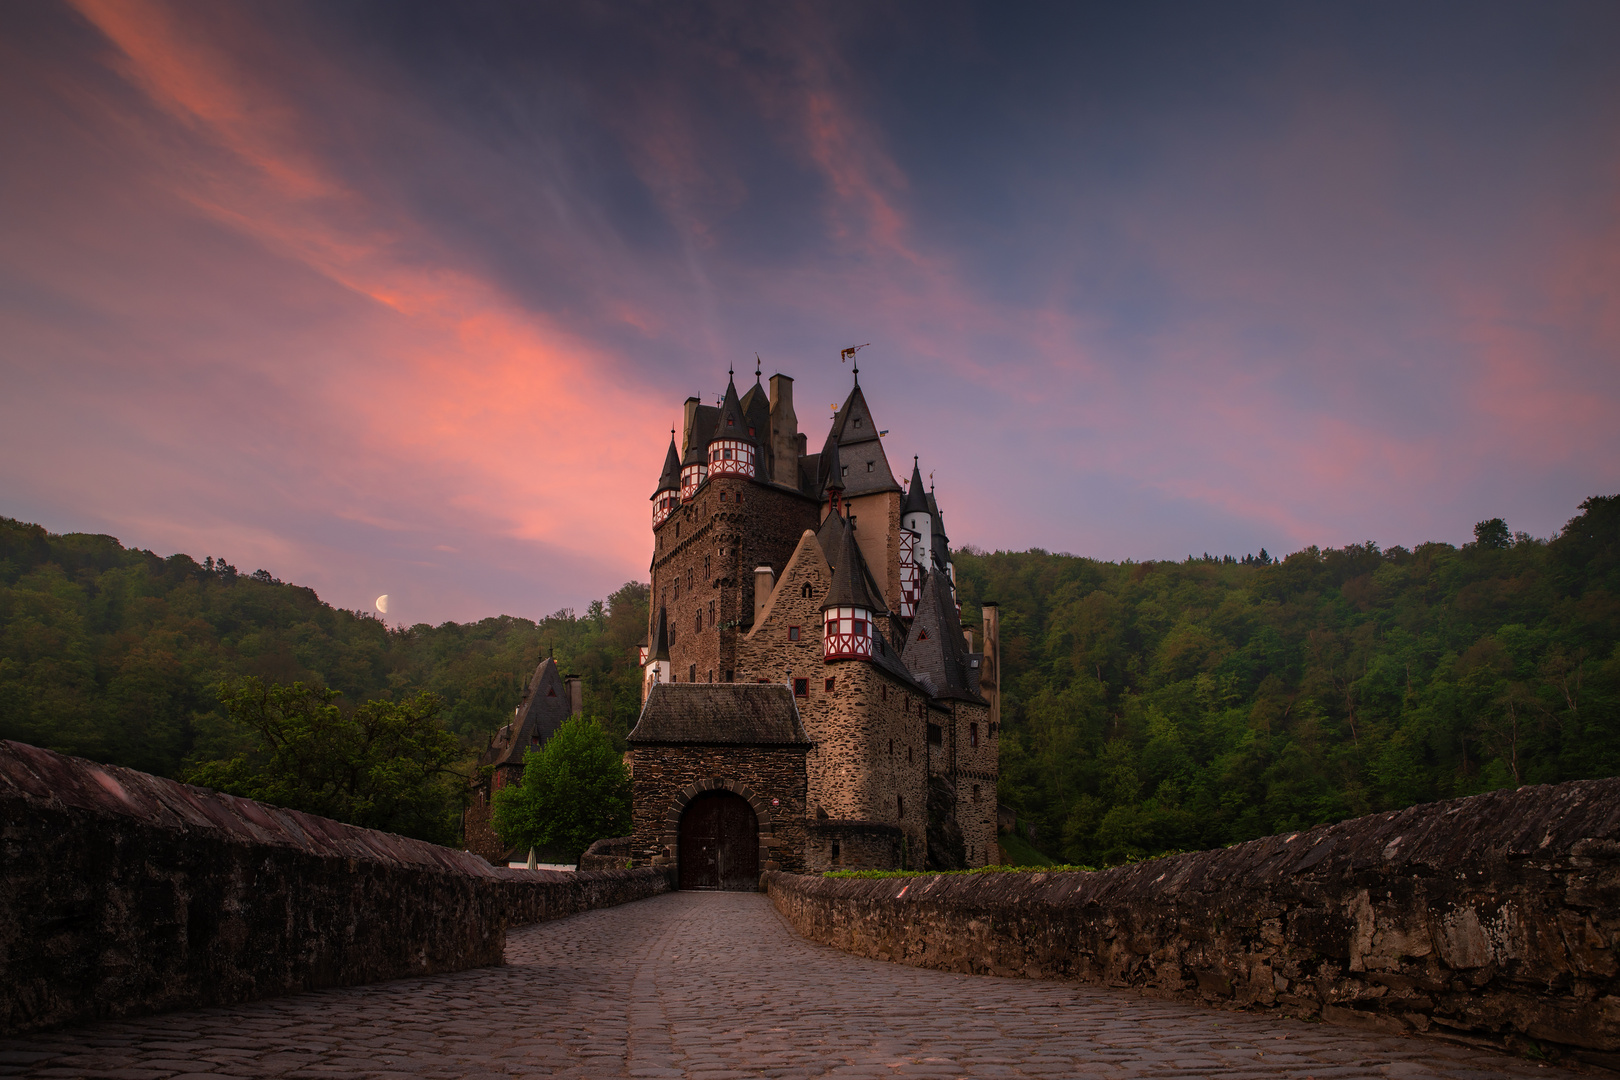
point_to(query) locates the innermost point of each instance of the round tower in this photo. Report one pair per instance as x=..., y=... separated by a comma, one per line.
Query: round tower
x=848, y=630
x=733, y=449
x=668, y=495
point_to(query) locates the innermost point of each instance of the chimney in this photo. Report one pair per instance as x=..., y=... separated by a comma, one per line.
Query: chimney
x=576, y=695
x=785, y=437
x=990, y=666
x=764, y=582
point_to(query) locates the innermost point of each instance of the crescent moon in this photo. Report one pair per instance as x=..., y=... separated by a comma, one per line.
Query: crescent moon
x=382, y=603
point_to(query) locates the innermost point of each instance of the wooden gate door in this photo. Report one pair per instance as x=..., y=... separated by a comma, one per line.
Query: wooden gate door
x=719, y=843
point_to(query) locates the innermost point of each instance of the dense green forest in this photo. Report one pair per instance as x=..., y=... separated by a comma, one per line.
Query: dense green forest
x=115, y=654
x=1147, y=706
x=1162, y=706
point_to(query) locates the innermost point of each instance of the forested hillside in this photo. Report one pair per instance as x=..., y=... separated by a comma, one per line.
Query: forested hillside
x=1162, y=706
x=114, y=653
x=1148, y=706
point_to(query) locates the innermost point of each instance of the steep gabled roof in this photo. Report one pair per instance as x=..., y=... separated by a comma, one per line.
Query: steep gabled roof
x=830, y=476
x=936, y=652
x=670, y=478
x=849, y=574
x=545, y=706
x=809, y=552
x=723, y=714
x=853, y=424
x=917, y=496
x=860, y=459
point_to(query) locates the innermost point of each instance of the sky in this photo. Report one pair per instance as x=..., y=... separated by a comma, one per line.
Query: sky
x=404, y=298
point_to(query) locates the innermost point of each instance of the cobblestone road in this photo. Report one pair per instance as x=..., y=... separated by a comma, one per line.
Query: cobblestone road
x=715, y=985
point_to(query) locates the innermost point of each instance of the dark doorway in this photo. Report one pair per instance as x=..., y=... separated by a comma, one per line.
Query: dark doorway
x=719, y=843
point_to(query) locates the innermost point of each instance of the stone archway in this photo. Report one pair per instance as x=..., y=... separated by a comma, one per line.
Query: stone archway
x=714, y=789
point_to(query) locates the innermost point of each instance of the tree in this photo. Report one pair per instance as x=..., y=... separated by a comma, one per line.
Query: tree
x=1493, y=534
x=575, y=791
x=386, y=765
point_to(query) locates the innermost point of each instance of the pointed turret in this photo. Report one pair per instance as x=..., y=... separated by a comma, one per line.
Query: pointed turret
x=658, y=669
x=847, y=631
x=734, y=445
x=668, y=495
x=916, y=499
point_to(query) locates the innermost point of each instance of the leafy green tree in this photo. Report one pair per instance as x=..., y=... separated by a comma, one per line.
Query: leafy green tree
x=575, y=791
x=1493, y=534
x=384, y=765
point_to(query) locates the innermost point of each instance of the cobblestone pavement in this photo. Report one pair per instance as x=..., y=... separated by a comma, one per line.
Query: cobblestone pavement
x=715, y=985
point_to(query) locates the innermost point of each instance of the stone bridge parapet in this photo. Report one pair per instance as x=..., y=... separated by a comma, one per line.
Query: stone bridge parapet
x=123, y=893
x=1495, y=917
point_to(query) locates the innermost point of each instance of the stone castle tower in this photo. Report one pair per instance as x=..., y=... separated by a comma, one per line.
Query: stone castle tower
x=811, y=699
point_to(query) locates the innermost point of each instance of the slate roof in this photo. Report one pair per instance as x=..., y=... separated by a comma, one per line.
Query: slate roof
x=849, y=574
x=670, y=478
x=660, y=641
x=917, y=497
x=829, y=536
x=936, y=652
x=545, y=706
x=703, y=421
x=855, y=435
x=756, y=407
x=730, y=420
x=720, y=714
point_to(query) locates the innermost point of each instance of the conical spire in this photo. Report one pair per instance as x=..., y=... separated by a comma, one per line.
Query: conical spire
x=916, y=498
x=670, y=478
x=733, y=421
x=854, y=423
x=660, y=649
x=849, y=575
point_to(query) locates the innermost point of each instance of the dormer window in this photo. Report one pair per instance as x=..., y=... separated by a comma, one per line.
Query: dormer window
x=844, y=471
x=857, y=421
x=871, y=466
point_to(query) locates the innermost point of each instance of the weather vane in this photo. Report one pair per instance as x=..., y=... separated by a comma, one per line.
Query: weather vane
x=849, y=354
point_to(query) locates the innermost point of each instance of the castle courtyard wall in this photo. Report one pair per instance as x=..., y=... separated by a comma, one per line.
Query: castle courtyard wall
x=1492, y=917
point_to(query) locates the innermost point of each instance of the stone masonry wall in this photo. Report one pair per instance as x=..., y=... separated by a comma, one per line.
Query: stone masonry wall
x=711, y=547
x=660, y=775
x=125, y=894
x=975, y=781
x=1496, y=916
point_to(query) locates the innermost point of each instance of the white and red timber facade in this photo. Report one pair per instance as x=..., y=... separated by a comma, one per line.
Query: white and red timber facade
x=811, y=700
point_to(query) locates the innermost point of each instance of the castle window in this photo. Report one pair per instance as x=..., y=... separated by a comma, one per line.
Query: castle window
x=871, y=466
x=711, y=674
x=844, y=471
x=860, y=627
x=691, y=673
x=975, y=792
x=835, y=851
x=922, y=635
x=722, y=496
x=883, y=692
x=727, y=453
x=729, y=674
x=900, y=805
x=857, y=421
x=936, y=735
x=793, y=633
x=739, y=496
x=801, y=688
x=829, y=686
x=908, y=754
x=711, y=612
x=973, y=734
x=698, y=622
x=891, y=748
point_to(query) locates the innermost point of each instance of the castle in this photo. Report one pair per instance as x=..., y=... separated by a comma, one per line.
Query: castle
x=811, y=700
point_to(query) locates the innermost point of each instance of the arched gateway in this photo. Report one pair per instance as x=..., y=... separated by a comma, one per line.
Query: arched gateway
x=719, y=843
x=719, y=780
